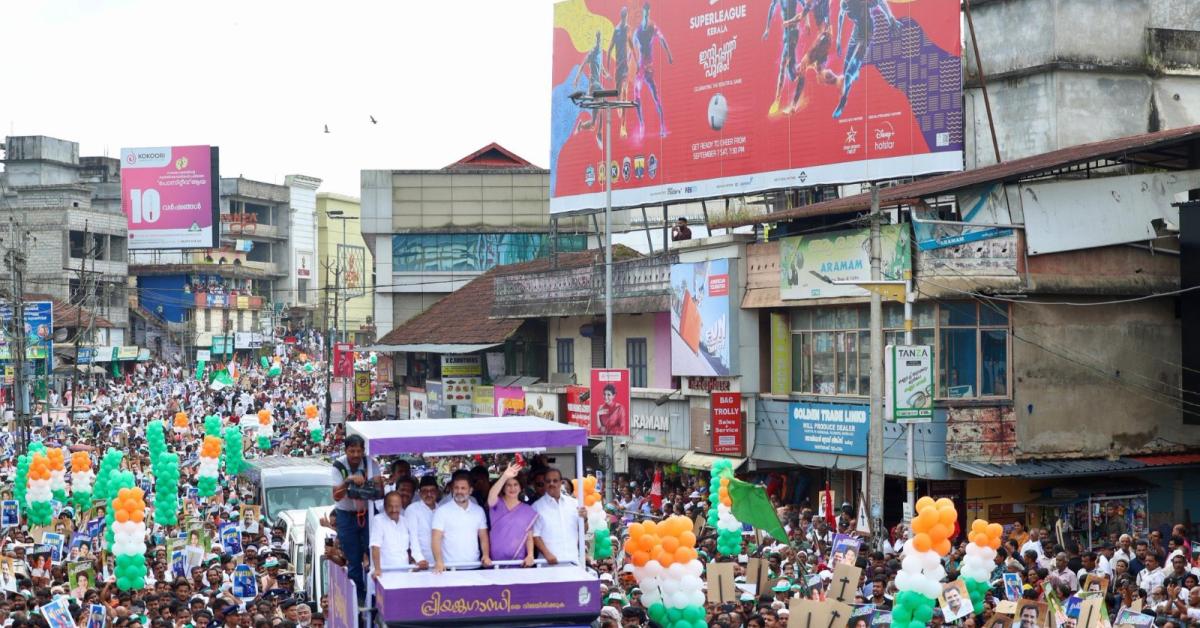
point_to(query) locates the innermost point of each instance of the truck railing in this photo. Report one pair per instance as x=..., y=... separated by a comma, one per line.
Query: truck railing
x=496, y=564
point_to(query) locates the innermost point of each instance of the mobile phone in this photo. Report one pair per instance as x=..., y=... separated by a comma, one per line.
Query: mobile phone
x=520, y=459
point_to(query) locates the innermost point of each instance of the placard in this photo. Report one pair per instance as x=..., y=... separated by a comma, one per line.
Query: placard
x=844, y=585
x=727, y=436
x=721, y=588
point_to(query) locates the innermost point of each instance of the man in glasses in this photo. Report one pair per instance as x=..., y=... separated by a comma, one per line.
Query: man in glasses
x=420, y=513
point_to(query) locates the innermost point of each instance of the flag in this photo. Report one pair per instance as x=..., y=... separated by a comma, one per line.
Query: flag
x=751, y=505
x=200, y=364
x=656, y=489
x=829, y=516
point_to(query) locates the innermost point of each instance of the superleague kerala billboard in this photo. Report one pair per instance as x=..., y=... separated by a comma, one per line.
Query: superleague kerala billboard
x=739, y=96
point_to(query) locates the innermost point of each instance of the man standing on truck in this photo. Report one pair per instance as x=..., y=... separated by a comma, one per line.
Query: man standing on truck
x=393, y=537
x=350, y=470
x=556, y=533
x=420, y=513
x=460, y=532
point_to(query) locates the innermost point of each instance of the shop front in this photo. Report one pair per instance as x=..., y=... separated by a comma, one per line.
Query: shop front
x=659, y=435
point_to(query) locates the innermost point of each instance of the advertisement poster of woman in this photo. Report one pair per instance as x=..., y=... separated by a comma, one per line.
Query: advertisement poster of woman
x=610, y=402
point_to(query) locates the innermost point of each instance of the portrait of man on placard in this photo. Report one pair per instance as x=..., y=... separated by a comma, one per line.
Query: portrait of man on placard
x=1031, y=614
x=955, y=601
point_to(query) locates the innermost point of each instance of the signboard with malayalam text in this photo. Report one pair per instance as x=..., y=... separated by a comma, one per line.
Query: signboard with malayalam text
x=169, y=195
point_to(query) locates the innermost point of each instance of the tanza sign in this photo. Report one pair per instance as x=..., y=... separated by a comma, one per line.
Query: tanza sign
x=908, y=371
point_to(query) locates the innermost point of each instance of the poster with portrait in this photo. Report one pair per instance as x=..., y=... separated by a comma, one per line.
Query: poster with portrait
x=955, y=601
x=1013, y=586
x=845, y=550
x=8, y=574
x=1130, y=617
x=80, y=548
x=1095, y=583
x=609, y=403
x=96, y=616
x=251, y=516
x=58, y=613
x=1031, y=614
x=245, y=583
x=54, y=541
x=861, y=616
x=10, y=514
x=81, y=576
x=231, y=538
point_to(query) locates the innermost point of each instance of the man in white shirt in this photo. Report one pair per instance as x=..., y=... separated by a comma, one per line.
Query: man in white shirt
x=556, y=533
x=393, y=537
x=1034, y=543
x=1125, y=549
x=460, y=533
x=1152, y=576
x=420, y=514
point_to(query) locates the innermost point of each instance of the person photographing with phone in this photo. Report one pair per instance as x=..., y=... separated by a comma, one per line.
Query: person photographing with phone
x=351, y=494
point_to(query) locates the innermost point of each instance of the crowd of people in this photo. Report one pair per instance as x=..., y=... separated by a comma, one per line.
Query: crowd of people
x=479, y=511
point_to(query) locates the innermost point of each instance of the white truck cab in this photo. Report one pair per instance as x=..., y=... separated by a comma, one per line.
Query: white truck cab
x=284, y=483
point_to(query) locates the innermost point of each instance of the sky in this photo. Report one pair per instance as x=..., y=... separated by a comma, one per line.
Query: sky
x=262, y=78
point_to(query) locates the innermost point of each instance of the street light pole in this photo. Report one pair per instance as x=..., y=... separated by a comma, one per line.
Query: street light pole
x=606, y=100
x=875, y=425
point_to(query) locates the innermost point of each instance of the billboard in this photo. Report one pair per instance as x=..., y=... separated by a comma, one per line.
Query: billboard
x=828, y=428
x=353, y=262
x=727, y=436
x=739, y=97
x=579, y=409
x=38, y=328
x=169, y=195
x=609, y=403
x=839, y=256
x=703, y=331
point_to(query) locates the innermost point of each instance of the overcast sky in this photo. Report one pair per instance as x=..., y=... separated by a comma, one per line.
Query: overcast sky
x=262, y=78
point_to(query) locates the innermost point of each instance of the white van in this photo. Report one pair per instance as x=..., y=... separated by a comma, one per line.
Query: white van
x=284, y=483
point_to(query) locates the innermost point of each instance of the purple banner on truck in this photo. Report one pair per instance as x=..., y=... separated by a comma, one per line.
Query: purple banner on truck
x=488, y=594
x=343, y=599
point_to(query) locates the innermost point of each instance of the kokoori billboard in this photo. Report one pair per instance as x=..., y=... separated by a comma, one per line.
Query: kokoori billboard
x=738, y=97
x=170, y=196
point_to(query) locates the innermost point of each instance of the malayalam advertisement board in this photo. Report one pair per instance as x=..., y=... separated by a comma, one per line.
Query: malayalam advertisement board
x=509, y=400
x=542, y=405
x=908, y=371
x=579, y=409
x=739, y=97
x=702, y=332
x=169, y=195
x=727, y=435
x=609, y=403
x=807, y=262
x=828, y=428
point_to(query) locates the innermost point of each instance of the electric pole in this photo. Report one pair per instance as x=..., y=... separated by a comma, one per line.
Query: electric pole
x=875, y=421
x=15, y=260
x=84, y=300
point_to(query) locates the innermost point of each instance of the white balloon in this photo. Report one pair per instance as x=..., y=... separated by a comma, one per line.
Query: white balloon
x=669, y=587
x=677, y=571
x=653, y=568
x=692, y=583
x=679, y=599
x=696, y=598
x=695, y=568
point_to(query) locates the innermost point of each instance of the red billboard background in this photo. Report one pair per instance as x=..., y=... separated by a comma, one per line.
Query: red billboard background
x=715, y=68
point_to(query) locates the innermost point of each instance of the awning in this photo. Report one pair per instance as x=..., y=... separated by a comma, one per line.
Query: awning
x=705, y=462
x=645, y=452
x=1049, y=468
x=428, y=348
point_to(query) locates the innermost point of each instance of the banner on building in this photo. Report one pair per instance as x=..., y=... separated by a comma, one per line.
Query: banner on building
x=38, y=329
x=781, y=353
x=740, y=98
x=170, y=197
x=510, y=400
x=727, y=432
x=810, y=263
x=703, y=331
x=908, y=371
x=485, y=402
x=542, y=405
x=460, y=391
x=460, y=366
x=353, y=260
x=579, y=408
x=418, y=404
x=343, y=359
x=435, y=405
x=828, y=428
x=362, y=386
x=609, y=402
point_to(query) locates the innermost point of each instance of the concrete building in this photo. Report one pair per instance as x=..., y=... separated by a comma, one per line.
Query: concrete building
x=432, y=231
x=339, y=238
x=1066, y=72
x=53, y=197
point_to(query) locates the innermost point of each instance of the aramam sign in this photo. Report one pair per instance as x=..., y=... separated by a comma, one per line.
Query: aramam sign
x=740, y=97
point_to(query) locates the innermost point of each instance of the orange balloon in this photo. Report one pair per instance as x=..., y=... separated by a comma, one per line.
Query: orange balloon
x=944, y=502
x=137, y=493
x=728, y=502
x=650, y=527
x=635, y=530
x=995, y=530
x=684, y=554
x=942, y=547
x=640, y=558
x=121, y=515
x=664, y=558
x=669, y=544
x=939, y=532
x=138, y=515
x=723, y=493
x=724, y=482
x=979, y=525
x=647, y=542
x=924, y=503
x=687, y=538
x=947, y=516
x=921, y=542
x=994, y=543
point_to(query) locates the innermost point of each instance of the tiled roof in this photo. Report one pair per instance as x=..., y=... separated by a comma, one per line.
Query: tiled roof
x=68, y=314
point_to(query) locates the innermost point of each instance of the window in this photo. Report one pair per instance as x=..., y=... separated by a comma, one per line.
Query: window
x=302, y=291
x=635, y=360
x=831, y=347
x=564, y=353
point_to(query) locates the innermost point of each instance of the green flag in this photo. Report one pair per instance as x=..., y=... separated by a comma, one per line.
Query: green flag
x=751, y=505
x=200, y=364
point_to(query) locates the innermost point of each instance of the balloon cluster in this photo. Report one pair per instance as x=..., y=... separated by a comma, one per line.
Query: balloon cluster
x=264, y=361
x=921, y=571
x=234, y=458
x=58, y=473
x=22, y=480
x=720, y=517
x=308, y=367
x=977, y=565
x=156, y=441
x=311, y=414
x=210, y=460
x=181, y=423
x=597, y=522
x=166, y=489
x=265, y=430
x=82, y=478
x=110, y=464
x=212, y=425
x=129, y=538
x=667, y=571
x=39, y=494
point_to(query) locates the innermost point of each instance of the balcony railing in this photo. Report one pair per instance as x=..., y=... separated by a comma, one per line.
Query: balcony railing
x=226, y=301
x=640, y=285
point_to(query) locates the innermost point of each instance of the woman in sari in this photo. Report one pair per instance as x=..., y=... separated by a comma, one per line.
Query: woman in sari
x=511, y=535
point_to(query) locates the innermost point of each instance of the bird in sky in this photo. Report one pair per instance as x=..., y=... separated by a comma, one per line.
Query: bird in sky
x=326, y=128
x=373, y=120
